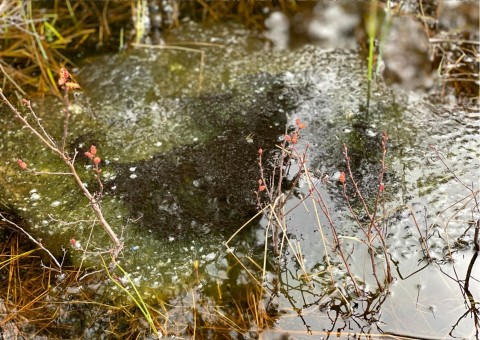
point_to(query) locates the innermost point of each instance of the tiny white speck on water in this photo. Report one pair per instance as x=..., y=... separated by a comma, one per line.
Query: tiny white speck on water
x=209, y=257
x=171, y=238
x=158, y=144
x=133, y=168
x=34, y=197
x=195, y=139
x=114, y=187
x=55, y=204
x=132, y=176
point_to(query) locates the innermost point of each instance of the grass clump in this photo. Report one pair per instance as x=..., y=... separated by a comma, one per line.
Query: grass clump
x=39, y=37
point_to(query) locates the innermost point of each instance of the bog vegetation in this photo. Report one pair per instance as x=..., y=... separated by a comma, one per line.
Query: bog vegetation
x=40, y=41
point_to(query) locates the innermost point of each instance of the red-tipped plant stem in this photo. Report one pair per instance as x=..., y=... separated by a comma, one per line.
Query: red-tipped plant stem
x=46, y=140
x=371, y=217
x=273, y=188
x=98, y=171
x=338, y=246
x=262, y=179
x=422, y=238
x=367, y=232
x=66, y=118
x=377, y=200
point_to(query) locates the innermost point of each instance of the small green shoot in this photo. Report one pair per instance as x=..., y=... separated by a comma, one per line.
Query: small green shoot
x=136, y=298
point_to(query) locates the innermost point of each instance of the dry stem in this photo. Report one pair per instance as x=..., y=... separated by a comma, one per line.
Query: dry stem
x=48, y=141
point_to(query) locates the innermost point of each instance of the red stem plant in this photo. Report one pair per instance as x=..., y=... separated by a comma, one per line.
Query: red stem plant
x=59, y=149
x=372, y=230
x=272, y=195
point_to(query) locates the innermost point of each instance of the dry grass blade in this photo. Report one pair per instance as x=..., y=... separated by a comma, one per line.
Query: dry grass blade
x=37, y=36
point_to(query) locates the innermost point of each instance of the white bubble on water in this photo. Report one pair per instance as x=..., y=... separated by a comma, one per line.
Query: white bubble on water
x=35, y=197
x=55, y=204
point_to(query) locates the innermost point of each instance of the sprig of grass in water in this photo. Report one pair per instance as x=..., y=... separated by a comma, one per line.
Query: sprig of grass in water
x=137, y=298
x=371, y=31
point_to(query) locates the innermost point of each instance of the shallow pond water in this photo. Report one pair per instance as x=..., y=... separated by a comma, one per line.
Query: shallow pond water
x=178, y=132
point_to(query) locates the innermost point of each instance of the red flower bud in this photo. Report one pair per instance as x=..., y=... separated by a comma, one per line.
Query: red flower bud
x=341, y=178
x=96, y=160
x=295, y=138
x=300, y=125
x=22, y=164
x=93, y=150
x=63, y=76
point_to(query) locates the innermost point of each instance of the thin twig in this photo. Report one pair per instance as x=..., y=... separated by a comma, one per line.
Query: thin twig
x=38, y=243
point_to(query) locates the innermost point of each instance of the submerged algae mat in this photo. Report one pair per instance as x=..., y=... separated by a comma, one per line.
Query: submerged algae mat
x=180, y=173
